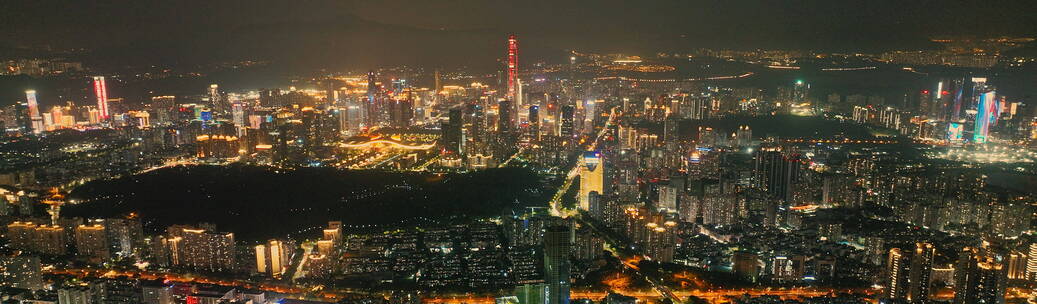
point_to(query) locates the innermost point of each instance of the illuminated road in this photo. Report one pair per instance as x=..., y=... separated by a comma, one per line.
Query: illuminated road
x=556, y=200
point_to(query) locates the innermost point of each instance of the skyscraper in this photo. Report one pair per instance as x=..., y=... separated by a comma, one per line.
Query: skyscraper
x=92, y=243
x=920, y=275
x=592, y=177
x=452, y=137
x=979, y=277
x=986, y=114
x=101, y=93
x=557, y=240
x=34, y=112
x=273, y=258
x=372, y=109
x=1031, y=263
x=504, y=116
x=566, y=122
x=776, y=173
x=534, y=122
x=897, y=274
x=215, y=99
x=512, y=67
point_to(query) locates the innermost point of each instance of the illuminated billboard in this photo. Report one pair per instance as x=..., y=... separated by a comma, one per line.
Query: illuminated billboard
x=986, y=115
x=955, y=131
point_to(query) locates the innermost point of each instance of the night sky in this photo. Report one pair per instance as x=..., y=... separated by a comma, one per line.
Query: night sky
x=370, y=33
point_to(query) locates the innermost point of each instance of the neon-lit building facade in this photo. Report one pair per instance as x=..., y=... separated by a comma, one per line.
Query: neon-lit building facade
x=512, y=66
x=36, y=121
x=592, y=177
x=986, y=115
x=101, y=92
x=955, y=131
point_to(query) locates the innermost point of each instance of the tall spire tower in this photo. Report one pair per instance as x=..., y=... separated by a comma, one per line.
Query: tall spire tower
x=512, y=66
x=101, y=92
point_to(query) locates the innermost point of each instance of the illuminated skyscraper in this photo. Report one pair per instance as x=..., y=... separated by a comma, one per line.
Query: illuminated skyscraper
x=920, y=275
x=505, y=120
x=512, y=67
x=986, y=114
x=372, y=109
x=979, y=277
x=566, y=122
x=273, y=258
x=776, y=173
x=897, y=272
x=238, y=115
x=215, y=99
x=591, y=177
x=34, y=112
x=534, y=122
x=557, y=241
x=101, y=93
x=401, y=113
x=92, y=243
x=1031, y=263
x=201, y=249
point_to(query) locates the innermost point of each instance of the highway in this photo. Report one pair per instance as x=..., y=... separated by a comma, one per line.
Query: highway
x=556, y=200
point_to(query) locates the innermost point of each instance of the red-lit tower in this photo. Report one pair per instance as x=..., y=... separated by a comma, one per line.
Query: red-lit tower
x=512, y=66
x=101, y=92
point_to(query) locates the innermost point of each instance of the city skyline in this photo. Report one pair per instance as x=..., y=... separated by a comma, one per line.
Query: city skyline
x=472, y=152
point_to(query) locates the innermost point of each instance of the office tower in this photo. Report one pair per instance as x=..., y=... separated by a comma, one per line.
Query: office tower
x=101, y=93
x=401, y=112
x=157, y=292
x=956, y=94
x=452, y=137
x=671, y=128
x=92, y=243
x=512, y=67
x=36, y=121
x=920, y=275
x=534, y=122
x=986, y=115
x=592, y=175
x=557, y=241
x=566, y=122
x=273, y=258
x=979, y=277
x=776, y=173
x=21, y=271
x=505, y=120
x=372, y=108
